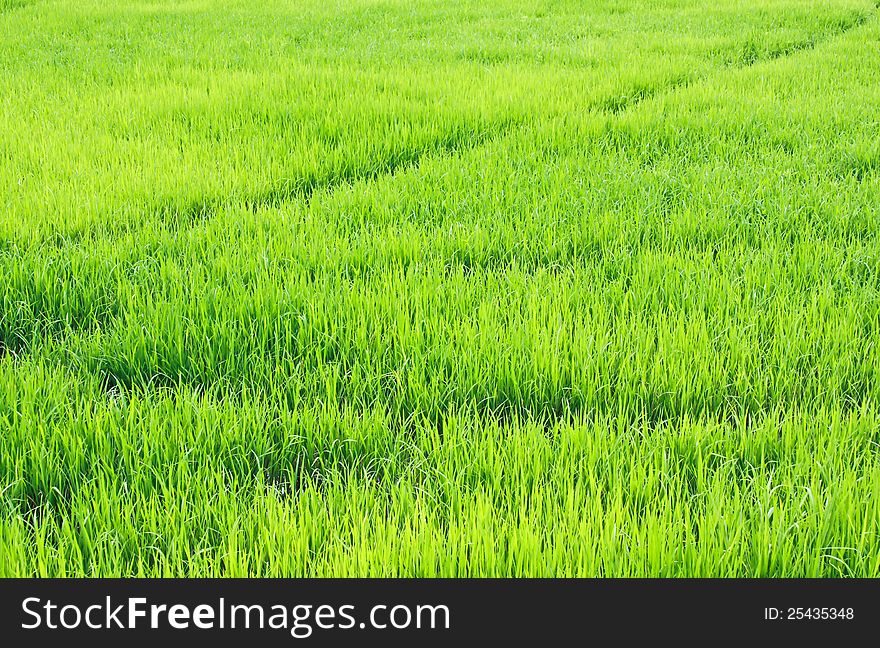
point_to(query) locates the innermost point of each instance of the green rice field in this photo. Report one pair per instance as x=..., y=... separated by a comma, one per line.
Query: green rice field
x=440, y=288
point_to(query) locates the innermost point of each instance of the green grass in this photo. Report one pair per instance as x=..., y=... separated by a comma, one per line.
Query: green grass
x=440, y=288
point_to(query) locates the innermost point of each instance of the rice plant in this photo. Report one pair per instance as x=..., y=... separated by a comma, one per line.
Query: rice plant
x=439, y=288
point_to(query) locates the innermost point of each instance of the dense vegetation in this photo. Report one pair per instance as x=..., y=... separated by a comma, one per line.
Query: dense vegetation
x=439, y=288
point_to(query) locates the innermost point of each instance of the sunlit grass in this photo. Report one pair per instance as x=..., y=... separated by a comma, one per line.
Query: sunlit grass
x=439, y=289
